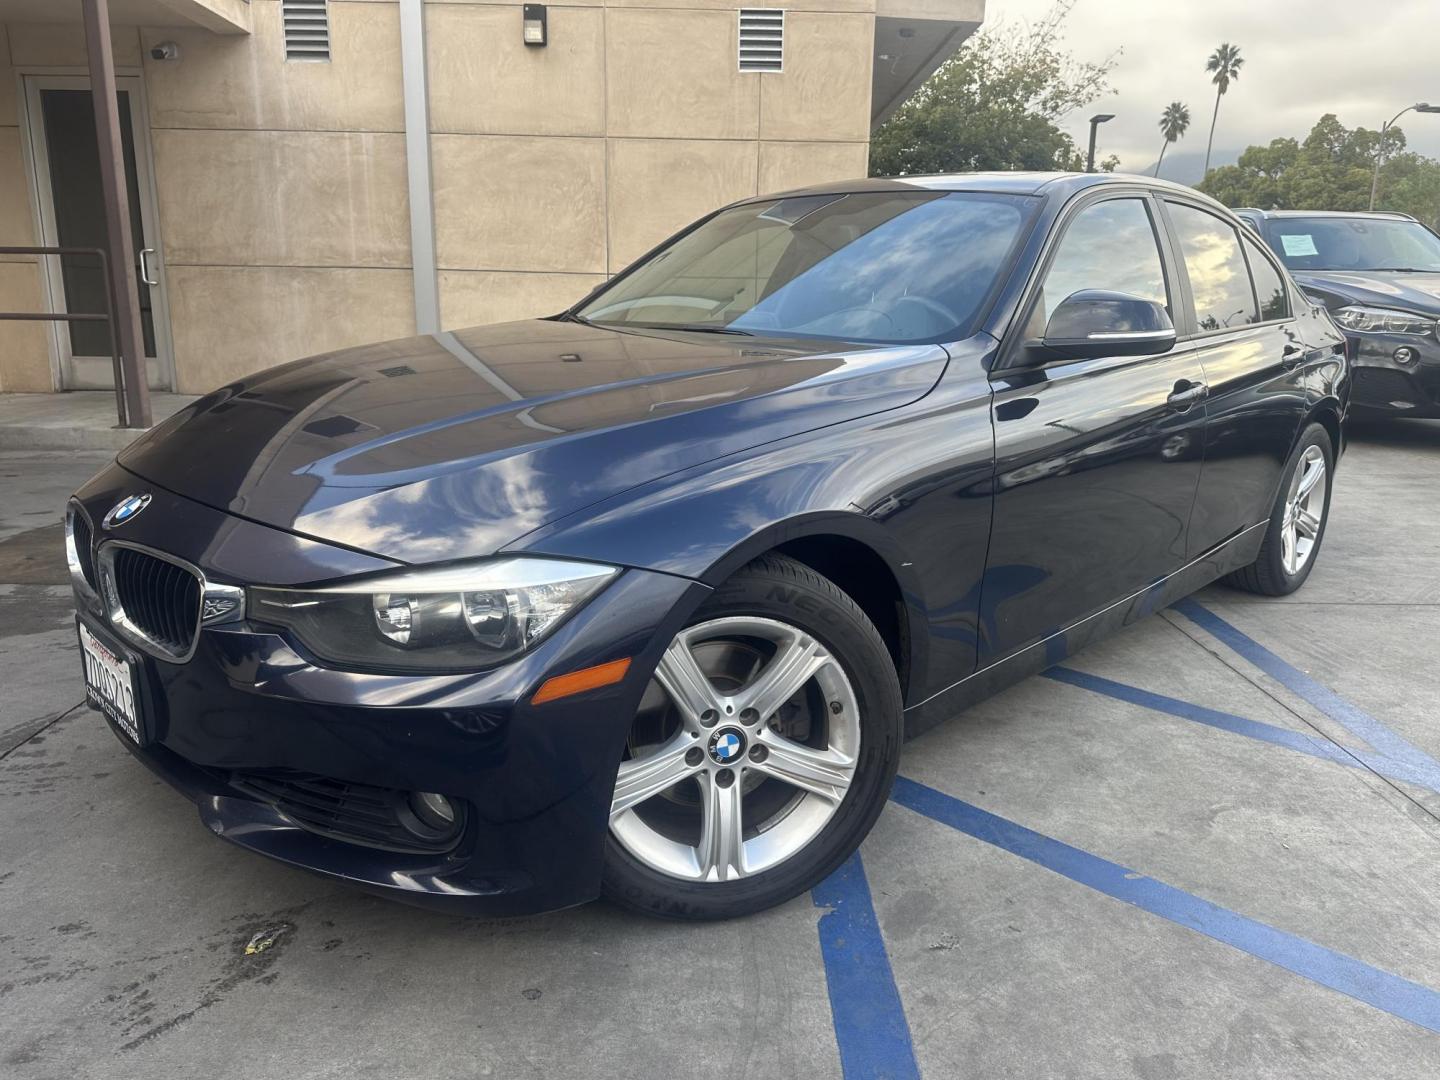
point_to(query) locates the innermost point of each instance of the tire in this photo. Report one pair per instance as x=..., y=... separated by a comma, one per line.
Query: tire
x=1274, y=572
x=669, y=853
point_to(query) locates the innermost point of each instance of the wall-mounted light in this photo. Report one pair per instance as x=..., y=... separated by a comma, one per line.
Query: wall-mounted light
x=534, y=26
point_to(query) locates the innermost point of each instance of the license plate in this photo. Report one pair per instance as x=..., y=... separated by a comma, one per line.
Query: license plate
x=112, y=683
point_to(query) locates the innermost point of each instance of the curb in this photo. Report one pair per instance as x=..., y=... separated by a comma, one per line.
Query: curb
x=55, y=437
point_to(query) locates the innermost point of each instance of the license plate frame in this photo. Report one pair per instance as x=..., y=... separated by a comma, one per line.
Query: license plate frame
x=113, y=677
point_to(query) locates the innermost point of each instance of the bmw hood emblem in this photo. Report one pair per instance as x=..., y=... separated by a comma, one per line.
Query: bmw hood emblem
x=125, y=509
x=726, y=745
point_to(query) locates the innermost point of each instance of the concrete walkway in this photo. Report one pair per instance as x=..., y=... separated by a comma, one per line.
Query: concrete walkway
x=79, y=420
x=1208, y=847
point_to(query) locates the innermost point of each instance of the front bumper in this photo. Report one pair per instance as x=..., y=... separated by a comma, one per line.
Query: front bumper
x=535, y=781
x=1382, y=386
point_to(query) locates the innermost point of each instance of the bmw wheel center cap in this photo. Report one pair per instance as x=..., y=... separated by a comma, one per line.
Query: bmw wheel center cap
x=727, y=746
x=125, y=509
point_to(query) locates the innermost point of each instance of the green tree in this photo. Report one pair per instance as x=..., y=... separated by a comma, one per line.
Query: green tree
x=1256, y=179
x=1412, y=186
x=1330, y=170
x=994, y=105
x=1174, y=122
x=1224, y=66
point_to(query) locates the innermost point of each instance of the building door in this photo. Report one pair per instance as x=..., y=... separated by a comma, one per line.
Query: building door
x=61, y=118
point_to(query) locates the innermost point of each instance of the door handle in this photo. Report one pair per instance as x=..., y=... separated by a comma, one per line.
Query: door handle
x=1291, y=356
x=146, y=275
x=1016, y=408
x=1187, y=393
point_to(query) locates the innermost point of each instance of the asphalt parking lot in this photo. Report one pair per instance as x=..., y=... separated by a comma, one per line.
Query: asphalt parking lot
x=1208, y=847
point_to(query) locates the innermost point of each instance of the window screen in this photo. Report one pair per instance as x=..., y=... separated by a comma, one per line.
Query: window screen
x=307, y=29
x=762, y=39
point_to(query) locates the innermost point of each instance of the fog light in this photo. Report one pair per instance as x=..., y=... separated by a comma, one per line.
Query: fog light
x=434, y=811
x=1405, y=355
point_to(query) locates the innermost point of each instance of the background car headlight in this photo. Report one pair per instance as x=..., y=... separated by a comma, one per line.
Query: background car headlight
x=1369, y=320
x=450, y=618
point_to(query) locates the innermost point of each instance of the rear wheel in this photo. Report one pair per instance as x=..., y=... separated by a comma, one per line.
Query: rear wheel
x=762, y=752
x=1297, y=523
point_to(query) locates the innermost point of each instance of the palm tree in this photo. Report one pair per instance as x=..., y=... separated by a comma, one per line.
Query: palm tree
x=1174, y=122
x=1224, y=65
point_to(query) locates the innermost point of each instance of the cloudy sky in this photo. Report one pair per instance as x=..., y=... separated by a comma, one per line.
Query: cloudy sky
x=1303, y=58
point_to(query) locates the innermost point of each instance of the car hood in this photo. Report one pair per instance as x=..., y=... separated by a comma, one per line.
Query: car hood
x=1417, y=292
x=451, y=445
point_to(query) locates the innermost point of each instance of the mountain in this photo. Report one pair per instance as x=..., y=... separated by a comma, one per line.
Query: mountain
x=1186, y=166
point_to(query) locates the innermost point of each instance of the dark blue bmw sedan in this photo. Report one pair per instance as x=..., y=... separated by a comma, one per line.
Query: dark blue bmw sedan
x=642, y=598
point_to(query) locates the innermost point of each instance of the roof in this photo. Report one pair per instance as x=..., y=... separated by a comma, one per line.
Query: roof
x=1390, y=215
x=1013, y=183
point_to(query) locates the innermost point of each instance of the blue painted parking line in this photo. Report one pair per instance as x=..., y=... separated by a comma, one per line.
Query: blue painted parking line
x=870, y=1026
x=1238, y=725
x=1400, y=997
x=1355, y=720
x=1315, y=746
x=871, y=1031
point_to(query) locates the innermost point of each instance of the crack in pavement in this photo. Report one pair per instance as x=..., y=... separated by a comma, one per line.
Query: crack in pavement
x=44, y=727
x=1306, y=720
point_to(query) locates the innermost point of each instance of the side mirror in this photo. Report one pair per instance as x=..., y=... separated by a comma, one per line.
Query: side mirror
x=1093, y=322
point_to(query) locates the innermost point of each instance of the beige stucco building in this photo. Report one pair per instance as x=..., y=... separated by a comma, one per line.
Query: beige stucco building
x=292, y=199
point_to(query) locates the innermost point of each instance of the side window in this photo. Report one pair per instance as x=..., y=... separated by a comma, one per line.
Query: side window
x=1218, y=278
x=1269, y=285
x=1108, y=245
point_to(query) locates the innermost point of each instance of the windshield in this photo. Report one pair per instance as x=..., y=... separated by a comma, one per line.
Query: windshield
x=1353, y=243
x=889, y=267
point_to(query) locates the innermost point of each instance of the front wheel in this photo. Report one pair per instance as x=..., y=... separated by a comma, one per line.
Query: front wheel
x=761, y=754
x=1297, y=523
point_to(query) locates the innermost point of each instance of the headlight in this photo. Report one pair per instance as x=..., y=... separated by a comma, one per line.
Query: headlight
x=1369, y=320
x=451, y=618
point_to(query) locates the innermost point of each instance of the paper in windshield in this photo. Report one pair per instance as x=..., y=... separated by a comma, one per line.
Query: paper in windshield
x=1299, y=244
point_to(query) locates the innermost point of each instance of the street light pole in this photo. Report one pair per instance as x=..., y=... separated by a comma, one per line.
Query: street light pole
x=1095, y=122
x=1419, y=106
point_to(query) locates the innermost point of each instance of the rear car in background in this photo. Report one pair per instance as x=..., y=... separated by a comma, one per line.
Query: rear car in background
x=1379, y=276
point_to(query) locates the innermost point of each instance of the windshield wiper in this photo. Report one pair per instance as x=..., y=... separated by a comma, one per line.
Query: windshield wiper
x=1401, y=270
x=696, y=328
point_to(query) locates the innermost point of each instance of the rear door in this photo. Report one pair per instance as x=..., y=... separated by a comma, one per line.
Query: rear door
x=1097, y=458
x=1239, y=318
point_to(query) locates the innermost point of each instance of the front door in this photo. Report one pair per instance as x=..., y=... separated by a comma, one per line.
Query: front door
x=61, y=119
x=1097, y=459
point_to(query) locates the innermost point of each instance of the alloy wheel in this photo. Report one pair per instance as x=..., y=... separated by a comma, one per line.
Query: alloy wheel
x=1304, y=510
x=745, y=751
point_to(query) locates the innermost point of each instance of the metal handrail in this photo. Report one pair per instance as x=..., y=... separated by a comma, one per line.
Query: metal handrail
x=108, y=317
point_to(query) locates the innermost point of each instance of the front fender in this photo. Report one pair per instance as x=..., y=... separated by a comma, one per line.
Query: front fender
x=911, y=485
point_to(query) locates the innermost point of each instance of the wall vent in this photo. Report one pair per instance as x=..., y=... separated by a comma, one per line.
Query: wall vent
x=762, y=39
x=307, y=29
